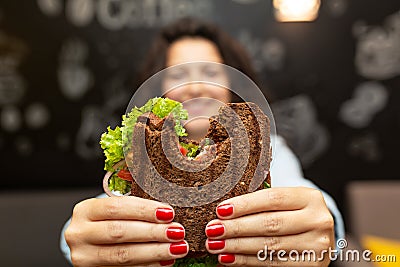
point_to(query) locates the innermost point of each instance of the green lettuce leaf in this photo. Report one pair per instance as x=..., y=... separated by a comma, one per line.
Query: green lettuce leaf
x=117, y=184
x=111, y=143
x=129, y=121
x=207, y=261
x=164, y=106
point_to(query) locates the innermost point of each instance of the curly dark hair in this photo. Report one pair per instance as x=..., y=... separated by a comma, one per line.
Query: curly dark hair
x=232, y=52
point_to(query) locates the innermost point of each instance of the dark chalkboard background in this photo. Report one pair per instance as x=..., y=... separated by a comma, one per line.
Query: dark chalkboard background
x=67, y=70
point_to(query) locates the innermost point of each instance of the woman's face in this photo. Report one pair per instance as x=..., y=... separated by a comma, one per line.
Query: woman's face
x=192, y=49
x=202, y=100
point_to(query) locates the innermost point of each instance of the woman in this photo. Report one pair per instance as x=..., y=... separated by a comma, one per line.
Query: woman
x=130, y=231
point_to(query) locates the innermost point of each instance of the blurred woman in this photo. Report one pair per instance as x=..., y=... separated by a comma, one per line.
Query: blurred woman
x=130, y=231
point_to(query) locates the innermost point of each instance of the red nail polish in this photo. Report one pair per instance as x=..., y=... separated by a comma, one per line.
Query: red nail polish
x=164, y=214
x=215, y=230
x=176, y=232
x=167, y=262
x=225, y=210
x=216, y=244
x=178, y=248
x=226, y=258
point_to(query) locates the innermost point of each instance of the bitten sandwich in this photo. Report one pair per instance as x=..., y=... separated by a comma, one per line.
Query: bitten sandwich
x=233, y=159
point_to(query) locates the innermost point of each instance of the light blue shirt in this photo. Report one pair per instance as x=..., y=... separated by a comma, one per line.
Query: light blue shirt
x=285, y=172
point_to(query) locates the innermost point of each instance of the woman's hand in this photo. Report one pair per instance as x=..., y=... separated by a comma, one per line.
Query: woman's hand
x=280, y=218
x=124, y=231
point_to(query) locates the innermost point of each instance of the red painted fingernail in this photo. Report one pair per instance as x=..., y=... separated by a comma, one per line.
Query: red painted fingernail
x=226, y=258
x=167, y=262
x=225, y=210
x=164, y=214
x=216, y=244
x=178, y=248
x=215, y=230
x=176, y=232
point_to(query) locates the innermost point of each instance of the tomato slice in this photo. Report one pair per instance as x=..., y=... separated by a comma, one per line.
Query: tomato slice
x=183, y=150
x=124, y=174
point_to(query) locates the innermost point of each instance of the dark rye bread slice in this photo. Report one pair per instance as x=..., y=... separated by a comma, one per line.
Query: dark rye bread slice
x=156, y=153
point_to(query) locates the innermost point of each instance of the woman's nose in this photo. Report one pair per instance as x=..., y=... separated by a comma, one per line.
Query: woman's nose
x=195, y=90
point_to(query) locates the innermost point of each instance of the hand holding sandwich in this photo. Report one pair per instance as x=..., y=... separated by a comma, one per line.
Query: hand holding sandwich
x=124, y=231
x=130, y=230
x=281, y=218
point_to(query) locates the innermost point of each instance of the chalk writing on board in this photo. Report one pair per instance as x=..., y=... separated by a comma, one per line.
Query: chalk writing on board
x=378, y=48
x=269, y=53
x=12, y=83
x=118, y=14
x=37, y=115
x=369, y=98
x=74, y=78
x=296, y=120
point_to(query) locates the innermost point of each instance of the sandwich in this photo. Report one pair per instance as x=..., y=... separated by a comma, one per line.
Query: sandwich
x=150, y=156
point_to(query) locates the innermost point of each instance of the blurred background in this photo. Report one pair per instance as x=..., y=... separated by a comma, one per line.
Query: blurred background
x=330, y=68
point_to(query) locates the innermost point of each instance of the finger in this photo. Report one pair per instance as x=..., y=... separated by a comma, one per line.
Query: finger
x=246, y=260
x=276, y=223
x=139, y=254
x=124, y=231
x=271, y=199
x=252, y=245
x=125, y=208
